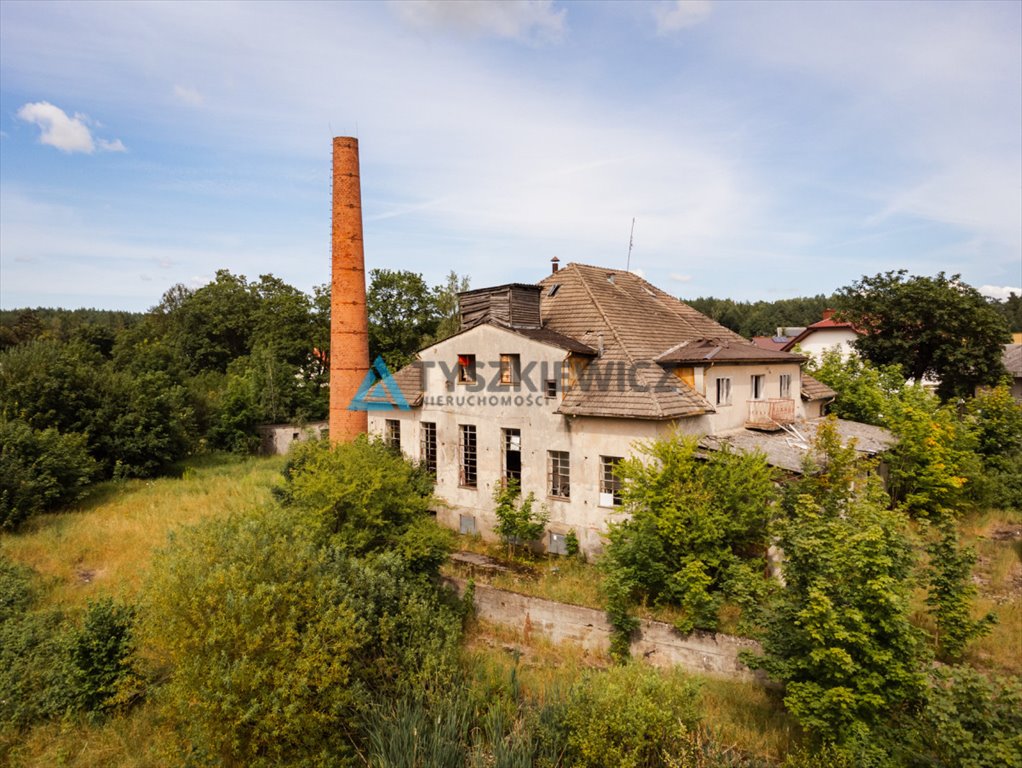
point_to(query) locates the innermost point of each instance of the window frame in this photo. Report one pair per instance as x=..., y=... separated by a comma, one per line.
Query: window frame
x=610, y=485
x=510, y=369
x=558, y=474
x=506, y=434
x=392, y=434
x=468, y=456
x=784, y=385
x=757, y=386
x=466, y=369
x=428, y=447
x=727, y=399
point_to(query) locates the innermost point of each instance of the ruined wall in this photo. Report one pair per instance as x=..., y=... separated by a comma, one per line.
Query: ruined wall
x=656, y=643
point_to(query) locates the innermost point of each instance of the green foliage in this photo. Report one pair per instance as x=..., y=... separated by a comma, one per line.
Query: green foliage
x=969, y=719
x=40, y=470
x=839, y=637
x=519, y=522
x=996, y=419
x=100, y=651
x=571, y=546
x=934, y=465
x=951, y=592
x=361, y=496
x=273, y=645
x=693, y=521
x=629, y=717
x=865, y=392
x=763, y=318
x=16, y=592
x=930, y=326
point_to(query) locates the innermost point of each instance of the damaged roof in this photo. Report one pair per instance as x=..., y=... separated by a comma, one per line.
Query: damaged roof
x=787, y=449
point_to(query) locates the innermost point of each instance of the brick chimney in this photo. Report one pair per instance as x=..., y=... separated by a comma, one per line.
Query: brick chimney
x=349, y=326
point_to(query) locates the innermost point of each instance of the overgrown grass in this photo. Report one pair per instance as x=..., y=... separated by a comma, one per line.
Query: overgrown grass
x=997, y=537
x=102, y=546
x=734, y=713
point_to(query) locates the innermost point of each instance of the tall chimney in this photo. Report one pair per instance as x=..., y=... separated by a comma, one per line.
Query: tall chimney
x=554, y=265
x=349, y=325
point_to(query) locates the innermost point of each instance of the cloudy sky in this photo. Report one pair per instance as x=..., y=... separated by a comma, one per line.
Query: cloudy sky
x=765, y=150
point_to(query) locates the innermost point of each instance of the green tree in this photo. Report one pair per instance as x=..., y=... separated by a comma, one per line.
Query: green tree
x=839, y=637
x=697, y=528
x=403, y=315
x=519, y=522
x=930, y=326
x=865, y=392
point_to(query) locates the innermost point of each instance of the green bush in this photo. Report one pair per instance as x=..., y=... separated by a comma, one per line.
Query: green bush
x=519, y=522
x=274, y=645
x=629, y=717
x=100, y=652
x=40, y=470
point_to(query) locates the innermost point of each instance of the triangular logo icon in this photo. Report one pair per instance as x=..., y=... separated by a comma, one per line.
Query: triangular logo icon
x=379, y=373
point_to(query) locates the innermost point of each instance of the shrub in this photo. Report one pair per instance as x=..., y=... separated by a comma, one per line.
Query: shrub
x=40, y=470
x=100, y=651
x=629, y=717
x=520, y=523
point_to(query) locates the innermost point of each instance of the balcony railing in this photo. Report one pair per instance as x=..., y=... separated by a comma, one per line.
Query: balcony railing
x=770, y=414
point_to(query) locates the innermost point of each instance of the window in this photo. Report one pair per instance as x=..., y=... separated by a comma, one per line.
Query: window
x=724, y=390
x=512, y=444
x=758, y=385
x=558, y=474
x=510, y=369
x=467, y=471
x=785, y=386
x=392, y=434
x=551, y=388
x=610, y=486
x=467, y=525
x=466, y=369
x=558, y=544
x=427, y=447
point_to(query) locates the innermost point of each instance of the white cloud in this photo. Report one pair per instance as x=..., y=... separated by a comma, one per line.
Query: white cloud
x=523, y=20
x=680, y=278
x=680, y=14
x=189, y=96
x=111, y=146
x=68, y=134
x=1000, y=292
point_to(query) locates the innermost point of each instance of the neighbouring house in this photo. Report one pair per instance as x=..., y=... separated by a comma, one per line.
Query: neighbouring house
x=814, y=340
x=1013, y=363
x=552, y=384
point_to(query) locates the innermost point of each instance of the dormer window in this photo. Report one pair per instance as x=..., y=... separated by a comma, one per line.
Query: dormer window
x=466, y=369
x=554, y=289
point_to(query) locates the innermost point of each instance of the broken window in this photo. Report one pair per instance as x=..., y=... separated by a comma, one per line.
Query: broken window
x=510, y=369
x=724, y=390
x=558, y=474
x=466, y=369
x=427, y=447
x=610, y=486
x=512, y=440
x=785, y=386
x=551, y=388
x=467, y=448
x=758, y=386
x=392, y=434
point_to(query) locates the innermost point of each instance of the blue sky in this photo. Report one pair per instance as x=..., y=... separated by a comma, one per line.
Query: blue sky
x=765, y=150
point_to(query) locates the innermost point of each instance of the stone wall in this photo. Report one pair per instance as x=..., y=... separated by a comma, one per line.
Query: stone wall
x=657, y=643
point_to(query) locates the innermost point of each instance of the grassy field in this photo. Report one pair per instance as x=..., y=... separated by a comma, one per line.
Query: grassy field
x=102, y=546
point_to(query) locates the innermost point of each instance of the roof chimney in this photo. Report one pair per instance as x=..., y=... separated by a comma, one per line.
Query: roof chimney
x=554, y=265
x=349, y=326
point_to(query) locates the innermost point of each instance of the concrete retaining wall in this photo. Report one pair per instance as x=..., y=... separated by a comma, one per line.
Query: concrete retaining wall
x=657, y=643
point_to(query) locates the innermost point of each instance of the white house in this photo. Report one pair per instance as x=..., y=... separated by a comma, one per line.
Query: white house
x=552, y=384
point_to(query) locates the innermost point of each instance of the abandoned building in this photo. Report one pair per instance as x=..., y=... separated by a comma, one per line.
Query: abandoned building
x=552, y=384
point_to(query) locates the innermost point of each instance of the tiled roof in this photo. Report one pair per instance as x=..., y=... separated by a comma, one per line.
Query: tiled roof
x=812, y=389
x=554, y=339
x=1013, y=359
x=718, y=350
x=408, y=380
x=826, y=323
x=770, y=342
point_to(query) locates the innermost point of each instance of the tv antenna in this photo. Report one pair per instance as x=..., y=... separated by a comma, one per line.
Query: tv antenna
x=631, y=240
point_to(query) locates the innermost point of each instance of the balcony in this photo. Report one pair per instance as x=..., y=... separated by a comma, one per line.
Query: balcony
x=770, y=415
